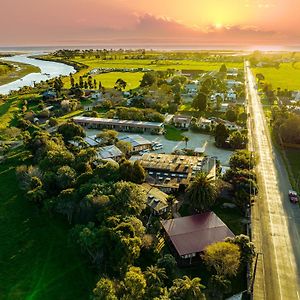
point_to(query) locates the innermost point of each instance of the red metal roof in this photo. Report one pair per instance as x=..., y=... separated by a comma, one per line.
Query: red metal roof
x=193, y=234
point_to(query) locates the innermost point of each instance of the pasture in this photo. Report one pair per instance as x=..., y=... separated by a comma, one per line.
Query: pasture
x=287, y=76
x=133, y=79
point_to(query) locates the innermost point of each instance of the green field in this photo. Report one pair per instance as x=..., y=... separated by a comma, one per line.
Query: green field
x=20, y=70
x=37, y=260
x=7, y=110
x=286, y=77
x=292, y=156
x=108, y=80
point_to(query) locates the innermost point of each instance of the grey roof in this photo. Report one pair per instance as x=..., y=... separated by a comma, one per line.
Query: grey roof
x=109, y=152
x=105, y=121
x=135, y=140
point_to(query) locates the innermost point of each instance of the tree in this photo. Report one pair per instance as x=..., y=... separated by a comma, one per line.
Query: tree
x=125, y=147
x=129, y=198
x=58, y=85
x=223, y=69
x=108, y=137
x=138, y=174
x=155, y=277
x=120, y=84
x=260, y=77
x=247, y=248
x=72, y=81
x=108, y=171
x=148, y=79
x=237, y=140
x=223, y=257
x=221, y=134
x=66, y=203
x=104, y=290
x=168, y=263
x=65, y=177
x=90, y=239
x=231, y=115
x=242, y=159
x=202, y=192
x=187, y=288
x=69, y=130
x=218, y=286
x=134, y=284
x=186, y=139
x=200, y=102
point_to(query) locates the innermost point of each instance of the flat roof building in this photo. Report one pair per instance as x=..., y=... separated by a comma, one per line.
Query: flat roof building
x=169, y=172
x=120, y=125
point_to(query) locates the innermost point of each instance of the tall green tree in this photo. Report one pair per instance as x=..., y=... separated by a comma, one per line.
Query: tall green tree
x=221, y=134
x=202, y=192
x=200, y=102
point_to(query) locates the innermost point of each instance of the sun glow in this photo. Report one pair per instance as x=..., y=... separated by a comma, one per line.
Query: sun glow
x=218, y=25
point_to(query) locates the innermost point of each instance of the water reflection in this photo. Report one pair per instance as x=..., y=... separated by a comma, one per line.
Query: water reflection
x=48, y=69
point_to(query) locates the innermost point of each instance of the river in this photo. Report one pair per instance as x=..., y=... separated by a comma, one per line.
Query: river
x=48, y=69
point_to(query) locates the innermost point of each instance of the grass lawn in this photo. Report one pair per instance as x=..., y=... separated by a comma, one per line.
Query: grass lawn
x=19, y=71
x=286, y=77
x=7, y=110
x=292, y=156
x=173, y=134
x=108, y=79
x=69, y=115
x=37, y=260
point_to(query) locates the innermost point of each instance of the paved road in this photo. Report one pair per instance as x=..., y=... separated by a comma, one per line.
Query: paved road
x=275, y=221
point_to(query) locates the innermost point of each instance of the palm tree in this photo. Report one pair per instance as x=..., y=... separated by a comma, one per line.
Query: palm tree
x=186, y=139
x=155, y=275
x=187, y=288
x=202, y=192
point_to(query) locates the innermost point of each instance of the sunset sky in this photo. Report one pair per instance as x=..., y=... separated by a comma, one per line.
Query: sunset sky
x=92, y=22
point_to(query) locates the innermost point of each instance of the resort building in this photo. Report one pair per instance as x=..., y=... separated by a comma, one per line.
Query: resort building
x=138, y=142
x=120, y=125
x=172, y=172
x=156, y=199
x=182, y=121
x=109, y=152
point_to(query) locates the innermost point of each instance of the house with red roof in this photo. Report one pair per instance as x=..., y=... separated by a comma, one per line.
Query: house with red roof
x=192, y=234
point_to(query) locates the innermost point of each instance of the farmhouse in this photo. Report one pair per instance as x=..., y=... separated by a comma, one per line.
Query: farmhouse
x=138, y=142
x=120, y=125
x=192, y=234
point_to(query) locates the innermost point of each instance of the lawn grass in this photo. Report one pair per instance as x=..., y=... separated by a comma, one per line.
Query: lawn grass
x=133, y=79
x=286, y=76
x=292, y=156
x=20, y=70
x=7, y=110
x=37, y=259
x=173, y=134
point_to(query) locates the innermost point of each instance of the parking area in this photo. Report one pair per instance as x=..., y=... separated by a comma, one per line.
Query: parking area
x=196, y=140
